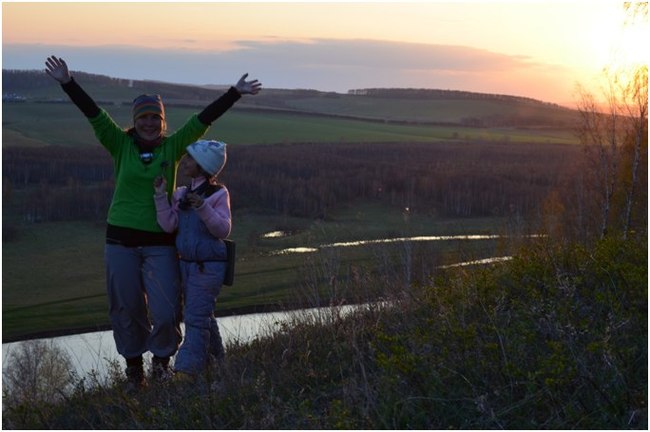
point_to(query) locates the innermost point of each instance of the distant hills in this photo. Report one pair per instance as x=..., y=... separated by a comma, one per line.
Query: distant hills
x=387, y=105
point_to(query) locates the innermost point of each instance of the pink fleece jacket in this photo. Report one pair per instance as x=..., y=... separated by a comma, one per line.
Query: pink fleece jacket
x=214, y=212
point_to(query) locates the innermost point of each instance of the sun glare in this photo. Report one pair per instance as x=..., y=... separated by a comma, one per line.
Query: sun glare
x=634, y=44
x=622, y=43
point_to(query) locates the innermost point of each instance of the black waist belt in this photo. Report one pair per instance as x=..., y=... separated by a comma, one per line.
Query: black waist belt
x=130, y=237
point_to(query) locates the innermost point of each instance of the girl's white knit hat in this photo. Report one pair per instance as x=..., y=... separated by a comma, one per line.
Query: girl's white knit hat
x=210, y=155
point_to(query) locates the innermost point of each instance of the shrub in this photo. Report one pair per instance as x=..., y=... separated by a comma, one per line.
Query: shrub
x=40, y=372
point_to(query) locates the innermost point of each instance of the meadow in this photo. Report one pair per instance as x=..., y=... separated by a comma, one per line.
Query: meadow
x=61, y=124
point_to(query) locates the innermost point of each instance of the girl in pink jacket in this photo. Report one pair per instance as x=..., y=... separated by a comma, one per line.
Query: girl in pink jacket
x=200, y=214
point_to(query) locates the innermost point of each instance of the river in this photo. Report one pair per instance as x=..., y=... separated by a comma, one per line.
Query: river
x=92, y=353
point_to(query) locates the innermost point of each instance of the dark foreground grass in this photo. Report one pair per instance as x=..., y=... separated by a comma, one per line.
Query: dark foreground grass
x=554, y=339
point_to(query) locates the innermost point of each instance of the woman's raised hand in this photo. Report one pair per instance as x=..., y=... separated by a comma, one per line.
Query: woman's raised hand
x=57, y=69
x=248, y=87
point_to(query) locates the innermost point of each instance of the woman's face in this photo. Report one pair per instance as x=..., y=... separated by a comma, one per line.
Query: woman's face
x=149, y=126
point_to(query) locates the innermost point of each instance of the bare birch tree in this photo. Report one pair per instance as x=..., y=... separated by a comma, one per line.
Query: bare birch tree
x=615, y=136
x=636, y=105
x=635, y=98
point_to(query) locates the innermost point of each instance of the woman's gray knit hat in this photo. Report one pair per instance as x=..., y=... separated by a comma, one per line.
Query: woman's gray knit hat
x=210, y=155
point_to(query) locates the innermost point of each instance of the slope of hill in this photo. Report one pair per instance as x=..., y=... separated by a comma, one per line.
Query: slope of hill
x=413, y=106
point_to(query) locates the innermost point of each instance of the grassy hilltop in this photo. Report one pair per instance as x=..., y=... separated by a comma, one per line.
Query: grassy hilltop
x=555, y=338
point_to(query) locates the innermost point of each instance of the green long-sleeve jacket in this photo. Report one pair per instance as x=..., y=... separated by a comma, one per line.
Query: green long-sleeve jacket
x=132, y=205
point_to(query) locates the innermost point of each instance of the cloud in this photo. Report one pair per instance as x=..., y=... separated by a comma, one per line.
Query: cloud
x=322, y=64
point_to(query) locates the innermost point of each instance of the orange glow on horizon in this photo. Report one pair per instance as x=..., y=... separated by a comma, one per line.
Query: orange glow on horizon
x=561, y=42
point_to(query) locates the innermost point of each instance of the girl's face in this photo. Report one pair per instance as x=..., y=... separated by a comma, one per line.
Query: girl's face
x=149, y=126
x=190, y=167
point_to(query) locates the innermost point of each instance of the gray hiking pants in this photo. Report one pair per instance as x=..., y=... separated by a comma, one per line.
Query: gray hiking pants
x=143, y=287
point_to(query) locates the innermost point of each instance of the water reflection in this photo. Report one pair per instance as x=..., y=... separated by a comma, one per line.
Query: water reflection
x=392, y=240
x=294, y=250
x=477, y=262
x=275, y=234
x=416, y=238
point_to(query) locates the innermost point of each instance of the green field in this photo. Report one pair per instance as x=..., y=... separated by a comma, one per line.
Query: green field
x=422, y=110
x=53, y=274
x=63, y=124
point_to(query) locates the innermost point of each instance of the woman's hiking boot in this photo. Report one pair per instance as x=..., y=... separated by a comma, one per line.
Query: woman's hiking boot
x=135, y=375
x=160, y=370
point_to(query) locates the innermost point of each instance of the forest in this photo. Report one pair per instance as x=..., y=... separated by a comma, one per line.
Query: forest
x=309, y=179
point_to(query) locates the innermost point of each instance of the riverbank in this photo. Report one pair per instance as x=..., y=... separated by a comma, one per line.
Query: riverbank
x=246, y=310
x=556, y=338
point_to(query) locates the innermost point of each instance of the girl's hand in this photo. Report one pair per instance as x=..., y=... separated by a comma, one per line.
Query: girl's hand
x=194, y=199
x=57, y=69
x=160, y=185
x=248, y=87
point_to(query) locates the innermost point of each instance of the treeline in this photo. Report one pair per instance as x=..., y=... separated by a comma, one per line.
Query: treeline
x=20, y=81
x=16, y=80
x=450, y=179
x=423, y=93
x=311, y=180
x=521, y=120
x=56, y=183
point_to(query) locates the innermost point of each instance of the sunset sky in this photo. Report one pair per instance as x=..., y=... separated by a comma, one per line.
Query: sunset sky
x=533, y=49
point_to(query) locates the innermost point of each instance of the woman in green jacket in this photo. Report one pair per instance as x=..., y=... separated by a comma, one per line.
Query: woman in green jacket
x=141, y=264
